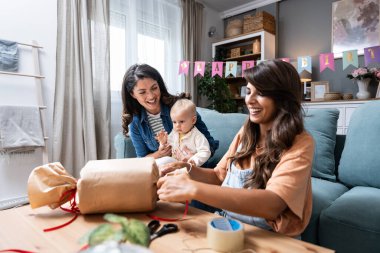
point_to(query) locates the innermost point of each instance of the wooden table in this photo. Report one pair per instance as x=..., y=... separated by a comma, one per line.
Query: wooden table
x=21, y=228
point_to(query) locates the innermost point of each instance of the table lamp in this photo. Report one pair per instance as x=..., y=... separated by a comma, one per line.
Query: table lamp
x=305, y=77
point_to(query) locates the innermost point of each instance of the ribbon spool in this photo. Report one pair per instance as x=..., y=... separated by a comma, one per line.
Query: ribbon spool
x=226, y=235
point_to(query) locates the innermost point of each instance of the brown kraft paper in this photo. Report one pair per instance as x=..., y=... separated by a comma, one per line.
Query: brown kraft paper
x=116, y=185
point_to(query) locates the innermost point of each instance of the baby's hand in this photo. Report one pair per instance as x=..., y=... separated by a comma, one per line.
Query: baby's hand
x=162, y=137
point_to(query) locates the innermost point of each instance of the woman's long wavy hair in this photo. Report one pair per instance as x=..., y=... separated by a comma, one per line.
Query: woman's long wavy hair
x=131, y=106
x=280, y=81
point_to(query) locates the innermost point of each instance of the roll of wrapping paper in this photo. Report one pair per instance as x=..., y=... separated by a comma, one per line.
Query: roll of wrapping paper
x=226, y=235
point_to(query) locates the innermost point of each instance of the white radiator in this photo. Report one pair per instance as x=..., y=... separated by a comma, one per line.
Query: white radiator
x=14, y=172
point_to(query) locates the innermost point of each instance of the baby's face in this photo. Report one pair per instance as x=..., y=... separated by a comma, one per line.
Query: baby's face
x=183, y=121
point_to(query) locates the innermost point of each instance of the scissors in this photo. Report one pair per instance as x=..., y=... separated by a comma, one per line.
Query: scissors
x=166, y=229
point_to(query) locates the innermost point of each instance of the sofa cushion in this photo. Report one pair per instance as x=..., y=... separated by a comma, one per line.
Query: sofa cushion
x=223, y=127
x=324, y=193
x=322, y=125
x=353, y=218
x=360, y=161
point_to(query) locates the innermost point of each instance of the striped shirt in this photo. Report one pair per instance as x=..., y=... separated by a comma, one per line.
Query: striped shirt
x=155, y=122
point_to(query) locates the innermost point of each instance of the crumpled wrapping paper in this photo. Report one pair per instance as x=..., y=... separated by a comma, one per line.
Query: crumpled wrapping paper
x=116, y=185
x=47, y=184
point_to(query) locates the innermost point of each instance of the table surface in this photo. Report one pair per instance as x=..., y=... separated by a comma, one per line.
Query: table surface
x=22, y=228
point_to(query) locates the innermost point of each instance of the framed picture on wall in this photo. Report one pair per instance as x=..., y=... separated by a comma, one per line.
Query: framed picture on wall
x=318, y=90
x=355, y=25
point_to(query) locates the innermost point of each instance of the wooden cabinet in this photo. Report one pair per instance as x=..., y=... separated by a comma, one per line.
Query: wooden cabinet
x=251, y=46
x=346, y=109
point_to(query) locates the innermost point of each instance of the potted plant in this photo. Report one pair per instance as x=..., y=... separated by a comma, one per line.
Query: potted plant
x=217, y=92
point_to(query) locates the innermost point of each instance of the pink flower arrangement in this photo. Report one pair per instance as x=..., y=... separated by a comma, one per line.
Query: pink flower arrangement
x=361, y=73
x=376, y=73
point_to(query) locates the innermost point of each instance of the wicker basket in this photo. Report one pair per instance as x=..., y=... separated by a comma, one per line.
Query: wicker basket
x=260, y=21
x=235, y=52
x=234, y=27
x=347, y=96
x=333, y=96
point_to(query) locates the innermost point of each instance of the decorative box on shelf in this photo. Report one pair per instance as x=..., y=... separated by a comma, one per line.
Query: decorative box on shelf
x=235, y=52
x=260, y=21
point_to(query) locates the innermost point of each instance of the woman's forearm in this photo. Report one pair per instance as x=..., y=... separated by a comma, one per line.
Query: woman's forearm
x=253, y=202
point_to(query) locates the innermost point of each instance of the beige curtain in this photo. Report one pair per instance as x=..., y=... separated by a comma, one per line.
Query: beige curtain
x=81, y=128
x=192, y=18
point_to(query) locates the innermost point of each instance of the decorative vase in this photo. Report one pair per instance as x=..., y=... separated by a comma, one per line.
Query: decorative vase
x=363, y=88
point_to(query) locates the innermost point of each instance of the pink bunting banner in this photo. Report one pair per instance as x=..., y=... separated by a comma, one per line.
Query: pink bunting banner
x=326, y=61
x=183, y=67
x=285, y=60
x=217, y=68
x=199, y=68
x=246, y=65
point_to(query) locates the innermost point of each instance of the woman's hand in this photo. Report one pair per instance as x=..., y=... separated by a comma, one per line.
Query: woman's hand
x=176, y=188
x=170, y=167
x=183, y=154
x=163, y=150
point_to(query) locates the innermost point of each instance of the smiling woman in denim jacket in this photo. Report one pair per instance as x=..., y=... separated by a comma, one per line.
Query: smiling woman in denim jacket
x=146, y=110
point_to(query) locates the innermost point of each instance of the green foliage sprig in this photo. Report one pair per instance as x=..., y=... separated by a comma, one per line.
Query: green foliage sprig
x=133, y=231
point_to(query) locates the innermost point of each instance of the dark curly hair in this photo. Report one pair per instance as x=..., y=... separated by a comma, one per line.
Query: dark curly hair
x=130, y=105
x=280, y=81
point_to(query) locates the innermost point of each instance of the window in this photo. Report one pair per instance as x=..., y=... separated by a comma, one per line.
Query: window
x=146, y=31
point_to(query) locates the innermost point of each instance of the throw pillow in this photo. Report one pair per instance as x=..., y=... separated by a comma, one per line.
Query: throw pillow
x=360, y=161
x=322, y=125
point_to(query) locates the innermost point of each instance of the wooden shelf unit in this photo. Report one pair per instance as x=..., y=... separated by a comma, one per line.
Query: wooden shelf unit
x=245, y=42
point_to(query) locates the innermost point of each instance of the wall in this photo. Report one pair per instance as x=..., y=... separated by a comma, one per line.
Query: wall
x=305, y=29
x=24, y=21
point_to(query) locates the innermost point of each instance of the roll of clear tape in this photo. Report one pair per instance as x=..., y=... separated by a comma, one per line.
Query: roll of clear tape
x=225, y=235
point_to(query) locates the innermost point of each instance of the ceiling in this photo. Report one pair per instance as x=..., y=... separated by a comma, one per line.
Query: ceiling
x=223, y=5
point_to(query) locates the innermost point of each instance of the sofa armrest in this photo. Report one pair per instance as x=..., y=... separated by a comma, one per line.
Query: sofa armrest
x=124, y=147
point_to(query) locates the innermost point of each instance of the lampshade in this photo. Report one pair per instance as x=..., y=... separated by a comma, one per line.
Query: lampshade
x=305, y=76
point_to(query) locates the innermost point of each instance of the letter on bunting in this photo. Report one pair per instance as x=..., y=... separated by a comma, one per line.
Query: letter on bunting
x=371, y=55
x=217, y=68
x=231, y=67
x=199, y=68
x=246, y=65
x=326, y=61
x=350, y=57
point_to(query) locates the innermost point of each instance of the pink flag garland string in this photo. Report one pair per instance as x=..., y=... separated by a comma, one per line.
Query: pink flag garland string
x=326, y=60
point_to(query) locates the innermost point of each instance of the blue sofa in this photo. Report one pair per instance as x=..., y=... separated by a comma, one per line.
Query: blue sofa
x=345, y=174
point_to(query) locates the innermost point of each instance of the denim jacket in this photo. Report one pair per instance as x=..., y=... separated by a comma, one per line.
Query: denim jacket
x=142, y=135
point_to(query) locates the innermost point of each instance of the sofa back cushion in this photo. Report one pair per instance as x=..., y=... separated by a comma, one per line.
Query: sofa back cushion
x=223, y=127
x=360, y=161
x=322, y=125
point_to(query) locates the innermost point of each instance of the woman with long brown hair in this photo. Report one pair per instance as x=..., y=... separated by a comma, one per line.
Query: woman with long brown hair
x=266, y=173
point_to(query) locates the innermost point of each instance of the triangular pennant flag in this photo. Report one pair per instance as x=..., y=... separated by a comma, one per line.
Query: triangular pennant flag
x=259, y=61
x=304, y=63
x=371, y=55
x=350, y=57
x=217, y=68
x=285, y=60
x=199, y=68
x=246, y=65
x=231, y=68
x=326, y=61
x=183, y=67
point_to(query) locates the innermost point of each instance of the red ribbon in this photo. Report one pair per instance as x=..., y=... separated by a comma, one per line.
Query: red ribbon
x=17, y=250
x=70, y=195
x=171, y=219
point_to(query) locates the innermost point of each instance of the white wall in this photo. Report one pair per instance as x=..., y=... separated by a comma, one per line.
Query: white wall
x=24, y=21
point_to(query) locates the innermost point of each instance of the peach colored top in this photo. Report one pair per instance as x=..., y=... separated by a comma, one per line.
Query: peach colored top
x=290, y=180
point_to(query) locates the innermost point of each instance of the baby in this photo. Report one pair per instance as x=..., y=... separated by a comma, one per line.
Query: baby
x=184, y=134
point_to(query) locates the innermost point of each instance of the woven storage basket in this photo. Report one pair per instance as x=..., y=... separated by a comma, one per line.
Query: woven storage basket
x=234, y=27
x=260, y=21
x=235, y=52
x=347, y=96
x=333, y=96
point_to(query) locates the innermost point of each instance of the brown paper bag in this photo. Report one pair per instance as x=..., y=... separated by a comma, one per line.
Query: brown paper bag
x=118, y=185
